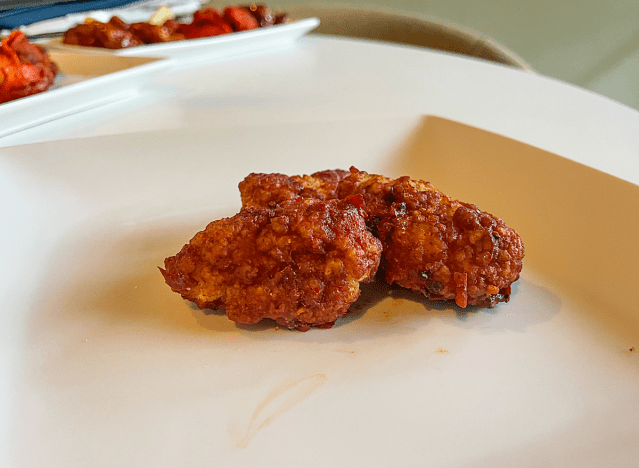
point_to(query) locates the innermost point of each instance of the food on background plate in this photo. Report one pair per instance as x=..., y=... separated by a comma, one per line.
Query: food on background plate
x=300, y=263
x=25, y=68
x=421, y=239
x=162, y=27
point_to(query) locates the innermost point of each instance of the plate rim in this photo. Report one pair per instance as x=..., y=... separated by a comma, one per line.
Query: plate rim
x=17, y=109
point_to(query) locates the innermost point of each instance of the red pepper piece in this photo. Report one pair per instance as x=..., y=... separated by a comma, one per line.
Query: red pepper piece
x=461, y=289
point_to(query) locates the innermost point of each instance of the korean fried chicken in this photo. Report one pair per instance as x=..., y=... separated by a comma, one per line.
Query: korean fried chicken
x=432, y=244
x=25, y=68
x=440, y=247
x=299, y=263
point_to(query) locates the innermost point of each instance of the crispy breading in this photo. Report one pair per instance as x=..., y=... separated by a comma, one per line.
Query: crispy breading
x=300, y=263
x=271, y=189
x=440, y=247
x=432, y=244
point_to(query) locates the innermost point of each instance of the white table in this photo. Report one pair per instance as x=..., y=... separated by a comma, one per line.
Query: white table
x=322, y=78
x=104, y=366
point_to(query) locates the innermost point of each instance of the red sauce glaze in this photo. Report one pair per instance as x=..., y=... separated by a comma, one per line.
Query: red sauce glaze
x=25, y=68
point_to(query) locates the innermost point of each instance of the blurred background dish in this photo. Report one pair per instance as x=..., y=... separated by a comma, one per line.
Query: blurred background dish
x=84, y=82
x=206, y=48
x=594, y=47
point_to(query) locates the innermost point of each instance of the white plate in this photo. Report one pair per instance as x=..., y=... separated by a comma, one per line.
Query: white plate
x=104, y=366
x=85, y=82
x=209, y=48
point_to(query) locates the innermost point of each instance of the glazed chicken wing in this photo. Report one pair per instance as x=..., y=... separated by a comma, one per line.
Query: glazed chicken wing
x=432, y=244
x=114, y=34
x=300, y=263
x=440, y=247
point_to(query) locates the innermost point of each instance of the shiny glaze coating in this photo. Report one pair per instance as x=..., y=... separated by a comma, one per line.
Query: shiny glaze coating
x=25, y=68
x=440, y=247
x=300, y=263
x=432, y=244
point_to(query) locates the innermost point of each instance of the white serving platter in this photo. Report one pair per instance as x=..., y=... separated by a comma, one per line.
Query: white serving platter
x=104, y=366
x=209, y=48
x=85, y=82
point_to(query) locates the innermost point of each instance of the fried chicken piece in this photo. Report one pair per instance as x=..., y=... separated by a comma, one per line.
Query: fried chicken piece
x=263, y=14
x=206, y=23
x=25, y=68
x=114, y=34
x=151, y=33
x=263, y=190
x=240, y=19
x=161, y=27
x=440, y=247
x=299, y=264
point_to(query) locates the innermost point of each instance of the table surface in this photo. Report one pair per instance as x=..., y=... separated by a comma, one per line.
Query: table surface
x=86, y=317
x=322, y=79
